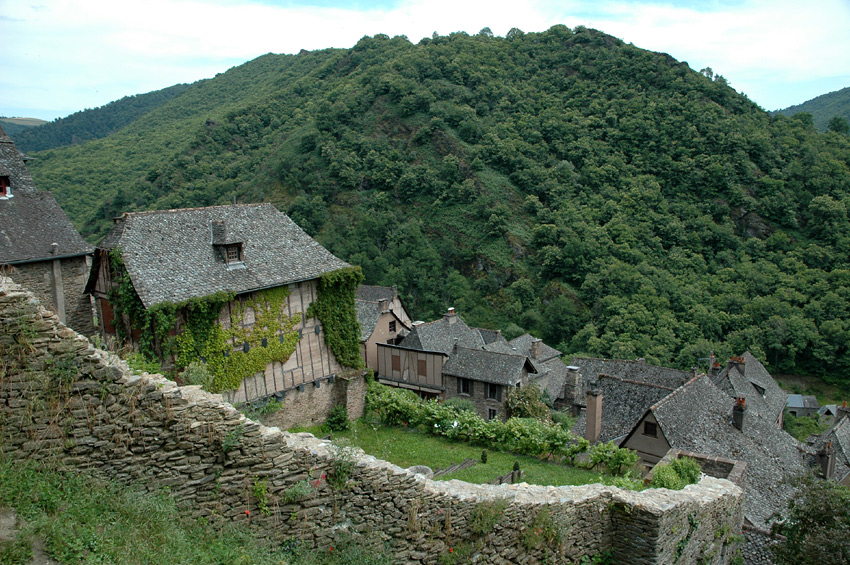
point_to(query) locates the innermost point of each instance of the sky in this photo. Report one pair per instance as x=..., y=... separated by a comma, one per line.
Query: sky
x=62, y=56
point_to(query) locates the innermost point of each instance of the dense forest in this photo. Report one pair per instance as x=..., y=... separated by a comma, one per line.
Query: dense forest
x=92, y=124
x=606, y=198
x=825, y=109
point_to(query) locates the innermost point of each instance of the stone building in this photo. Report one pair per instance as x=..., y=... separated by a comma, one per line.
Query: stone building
x=254, y=252
x=38, y=244
x=382, y=318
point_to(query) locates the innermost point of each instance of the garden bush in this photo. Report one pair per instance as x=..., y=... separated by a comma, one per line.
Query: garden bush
x=338, y=419
x=677, y=474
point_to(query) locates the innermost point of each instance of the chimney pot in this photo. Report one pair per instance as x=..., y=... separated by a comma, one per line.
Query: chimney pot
x=739, y=413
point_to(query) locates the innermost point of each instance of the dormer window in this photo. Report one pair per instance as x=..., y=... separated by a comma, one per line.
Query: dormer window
x=5, y=187
x=233, y=253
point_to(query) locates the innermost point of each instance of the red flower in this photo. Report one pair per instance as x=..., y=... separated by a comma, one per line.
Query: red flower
x=451, y=550
x=247, y=512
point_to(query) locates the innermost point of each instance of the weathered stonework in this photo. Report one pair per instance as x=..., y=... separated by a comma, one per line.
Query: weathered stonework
x=65, y=401
x=40, y=278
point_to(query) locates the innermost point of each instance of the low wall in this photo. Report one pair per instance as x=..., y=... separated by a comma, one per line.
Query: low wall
x=65, y=401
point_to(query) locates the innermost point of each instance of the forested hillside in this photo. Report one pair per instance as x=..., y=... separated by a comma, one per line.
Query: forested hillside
x=606, y=198
x=92, y=124
x=824, y=108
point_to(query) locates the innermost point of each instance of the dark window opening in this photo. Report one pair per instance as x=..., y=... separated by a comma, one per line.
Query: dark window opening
x=650, y=429
x=233, y=253
x=5, y=187
x=464, y=386
x=494, y=392
x=492, y=413
x=422, y=367
x=396, y=363
x=759, y=389
x=392, y=326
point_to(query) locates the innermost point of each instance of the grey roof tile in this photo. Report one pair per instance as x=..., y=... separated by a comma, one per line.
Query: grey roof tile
x=696, y=417
x=441, y=335
x=751, y=380
x=522, y=344
x=376, y=293
x=30, y=219
x=170, y=256
x=486, y=366
x=636, y=370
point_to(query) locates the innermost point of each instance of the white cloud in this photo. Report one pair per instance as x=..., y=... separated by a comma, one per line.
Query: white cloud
x=64, y=55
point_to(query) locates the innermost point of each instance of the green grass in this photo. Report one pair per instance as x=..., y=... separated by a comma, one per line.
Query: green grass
x=406, y=447
x=826, y=393
x=81, y=520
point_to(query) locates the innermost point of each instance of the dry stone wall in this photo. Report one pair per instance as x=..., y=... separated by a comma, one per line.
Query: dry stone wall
x=64, y=401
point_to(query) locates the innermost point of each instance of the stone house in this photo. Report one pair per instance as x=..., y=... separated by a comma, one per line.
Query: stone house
x=746, y=377
x=447, y=358
x=698, y=417
x=39, y=245
x=382, y=319
x=802, y=405
x=833, y=451
x=268, y=265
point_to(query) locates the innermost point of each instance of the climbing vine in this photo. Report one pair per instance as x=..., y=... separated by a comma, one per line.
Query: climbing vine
x=334, y=308
x=271, y=338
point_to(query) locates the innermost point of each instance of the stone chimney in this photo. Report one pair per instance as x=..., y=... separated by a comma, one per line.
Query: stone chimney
x=536, y=348
x=826, y=459
x=384, y=304
x=593, y=425
x=739, y=363
x=739, y=412
x=454, y=347
x=451, y=316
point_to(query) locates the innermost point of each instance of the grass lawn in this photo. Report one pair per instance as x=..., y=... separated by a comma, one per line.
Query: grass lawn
x=826, y=393
x=407, y=447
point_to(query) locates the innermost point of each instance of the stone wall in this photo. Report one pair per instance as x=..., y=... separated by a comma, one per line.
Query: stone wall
x=39, y=277
x=63, y=400
x=478, y=397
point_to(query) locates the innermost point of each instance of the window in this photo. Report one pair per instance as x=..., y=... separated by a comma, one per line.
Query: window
x=233, y=253
x=464, y=386
x=422, y=367
x=494, y=392
x=396, y=363
x=5, y=187
x=492, y=413
x=650, y=429
x=392, y=326
x=759, y=389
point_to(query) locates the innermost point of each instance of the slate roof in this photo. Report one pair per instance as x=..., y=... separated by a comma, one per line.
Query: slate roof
x=551, y=377
x=522, y=345
x=491, y=336
x=752, y=381
x=368, y=314
x=12, y=165
x=624, y=403
x=170, y=256
x=696, y=417
x=440, y=335
x=637, y=370
x=30, y=219
x=799, y=401
x=375, y=293
x=486, y=366
x=839, y=435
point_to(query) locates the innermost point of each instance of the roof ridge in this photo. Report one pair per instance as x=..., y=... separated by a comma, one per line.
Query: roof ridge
x=676, y=391
x=632, y=381
x=174, y=210
x=491, y=351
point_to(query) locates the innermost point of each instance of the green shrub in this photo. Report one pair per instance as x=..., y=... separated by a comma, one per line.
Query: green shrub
x=460, y=404
x=338, y=419
x=197, y=374
x=687, y=468
x=677, y=474
x=140, y=363
x=526, y=402
x=563, y=419
x=665, y=476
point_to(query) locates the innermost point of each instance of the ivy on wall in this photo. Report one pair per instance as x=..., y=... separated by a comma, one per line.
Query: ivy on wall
x=271, y=338
x=334, y=307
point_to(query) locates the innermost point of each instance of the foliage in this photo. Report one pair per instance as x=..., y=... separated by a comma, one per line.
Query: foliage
x=563, y=418
x=82, y=520
x=197, y=374
x=677, y=474
x=334, y=307
x=526, y=402
x=460, y=404
x=824, y=108
x=542, y=529
x=260, y=491
x=138, y=362
x=338, y=419
x=527, y=436
x=485, y=516
x=816, y=525
x=342, y=465
x=801, y=427
x=615, y=459
x=606, y=198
